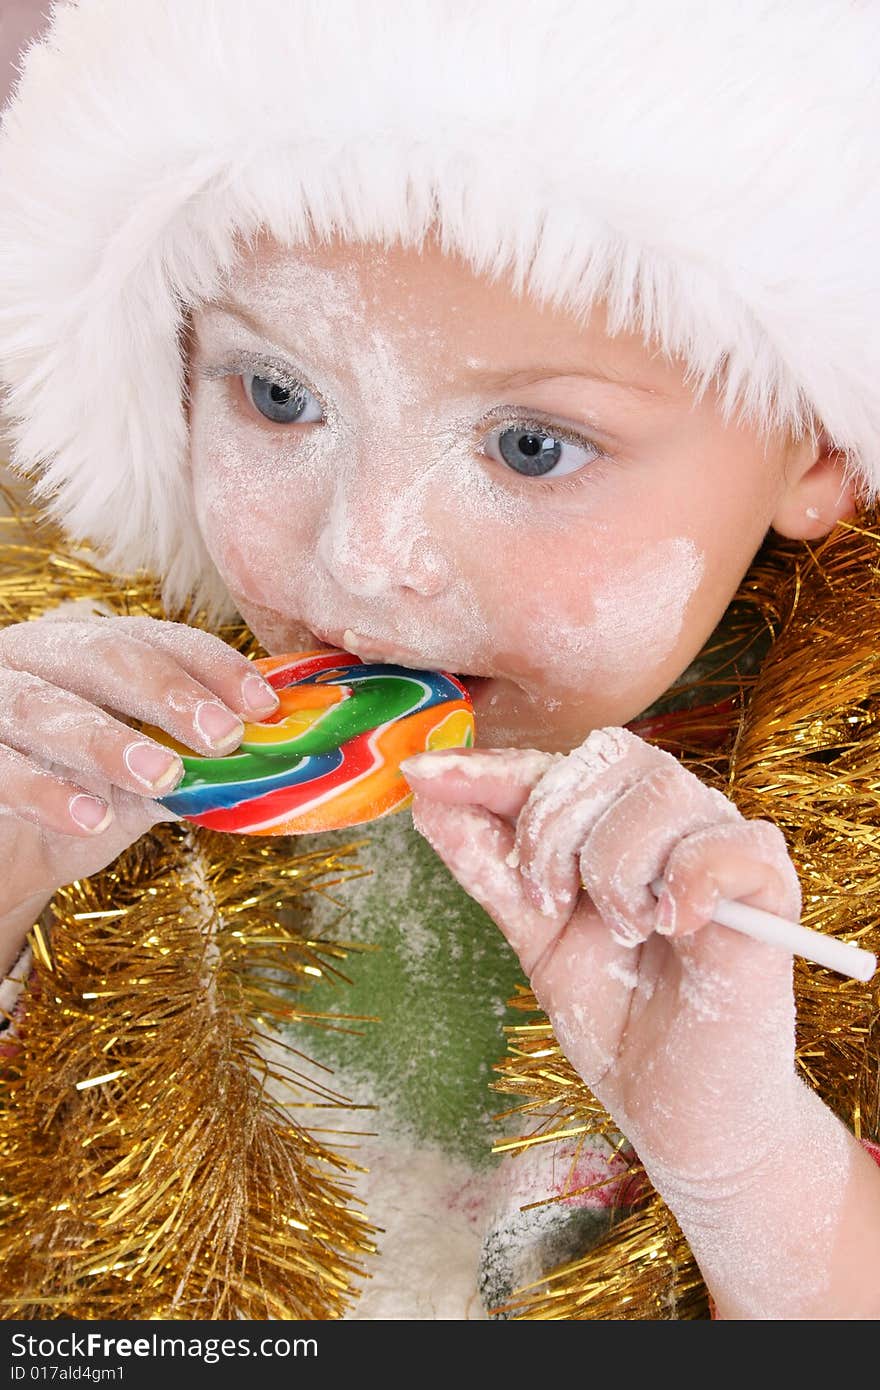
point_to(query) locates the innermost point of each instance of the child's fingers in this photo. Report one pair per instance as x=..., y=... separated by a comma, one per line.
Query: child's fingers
x=474, y=845
x=213, y=662
x=568, y=801
x=745, y=860
x=500, y=779
x=629, y=845
x=53, y=803
x=117, y=671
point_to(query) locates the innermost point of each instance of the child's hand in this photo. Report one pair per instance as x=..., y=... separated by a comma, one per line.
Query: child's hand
x=684, y=1030
x=77, y=785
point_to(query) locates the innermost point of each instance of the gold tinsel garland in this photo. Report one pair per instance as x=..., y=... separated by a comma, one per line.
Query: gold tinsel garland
x=802, y=749
x=152, y=1165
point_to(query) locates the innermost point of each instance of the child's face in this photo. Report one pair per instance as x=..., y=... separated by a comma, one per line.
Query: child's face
x=468, y=482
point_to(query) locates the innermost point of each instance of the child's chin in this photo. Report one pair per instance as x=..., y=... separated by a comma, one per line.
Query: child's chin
x=507, y=717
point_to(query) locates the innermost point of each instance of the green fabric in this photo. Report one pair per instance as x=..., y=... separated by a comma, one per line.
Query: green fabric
x=439, y=981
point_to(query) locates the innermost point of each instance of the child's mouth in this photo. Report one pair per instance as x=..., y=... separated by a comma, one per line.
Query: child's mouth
x=472, y=684
x=370, y=650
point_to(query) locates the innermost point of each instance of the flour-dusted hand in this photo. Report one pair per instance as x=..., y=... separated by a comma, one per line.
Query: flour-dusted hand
x=77, y=784
x=684, y=1029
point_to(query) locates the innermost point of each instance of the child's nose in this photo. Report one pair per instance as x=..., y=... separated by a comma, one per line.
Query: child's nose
x=373, y=542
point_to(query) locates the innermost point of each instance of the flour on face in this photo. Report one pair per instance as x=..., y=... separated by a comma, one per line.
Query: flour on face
x=388, y=519
x=638, y=612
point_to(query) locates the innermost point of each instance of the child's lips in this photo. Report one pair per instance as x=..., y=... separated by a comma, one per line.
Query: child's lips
x=369, y=649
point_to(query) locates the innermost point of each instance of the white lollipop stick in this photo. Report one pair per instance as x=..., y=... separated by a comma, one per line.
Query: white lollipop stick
x=841, y=956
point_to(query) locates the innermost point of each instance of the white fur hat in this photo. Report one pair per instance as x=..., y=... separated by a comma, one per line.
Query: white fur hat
x=708, y=169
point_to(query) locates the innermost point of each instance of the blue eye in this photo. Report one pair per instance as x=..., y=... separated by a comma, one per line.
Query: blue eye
x=534, y=452
x=283, y=403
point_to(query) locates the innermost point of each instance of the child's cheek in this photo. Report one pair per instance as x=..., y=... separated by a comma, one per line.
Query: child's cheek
x=614, y=617
x=244, y=499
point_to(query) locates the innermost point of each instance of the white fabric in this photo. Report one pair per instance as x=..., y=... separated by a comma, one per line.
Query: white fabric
x=710, y=168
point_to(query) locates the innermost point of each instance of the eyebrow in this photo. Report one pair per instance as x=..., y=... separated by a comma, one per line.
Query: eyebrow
x=500, y=381
x=494, y=381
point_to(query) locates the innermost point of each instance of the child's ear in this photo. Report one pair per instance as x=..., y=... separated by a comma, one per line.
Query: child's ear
x=818, y=492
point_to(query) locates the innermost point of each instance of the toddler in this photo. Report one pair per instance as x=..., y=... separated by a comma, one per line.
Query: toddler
x=491, y=340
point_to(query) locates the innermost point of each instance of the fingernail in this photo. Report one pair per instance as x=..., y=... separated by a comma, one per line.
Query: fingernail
x=217, y=726
x=90, y=813
x=664, y=917
x=258, y=695
x=157, y=768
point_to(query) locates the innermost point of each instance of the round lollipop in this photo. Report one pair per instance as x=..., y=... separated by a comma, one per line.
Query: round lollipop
x=330, y=755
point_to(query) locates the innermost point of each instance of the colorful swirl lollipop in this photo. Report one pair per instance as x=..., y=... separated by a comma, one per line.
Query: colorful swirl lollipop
x=330, y=755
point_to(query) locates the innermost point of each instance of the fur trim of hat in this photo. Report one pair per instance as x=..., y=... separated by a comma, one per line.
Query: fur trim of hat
x=708, y=170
